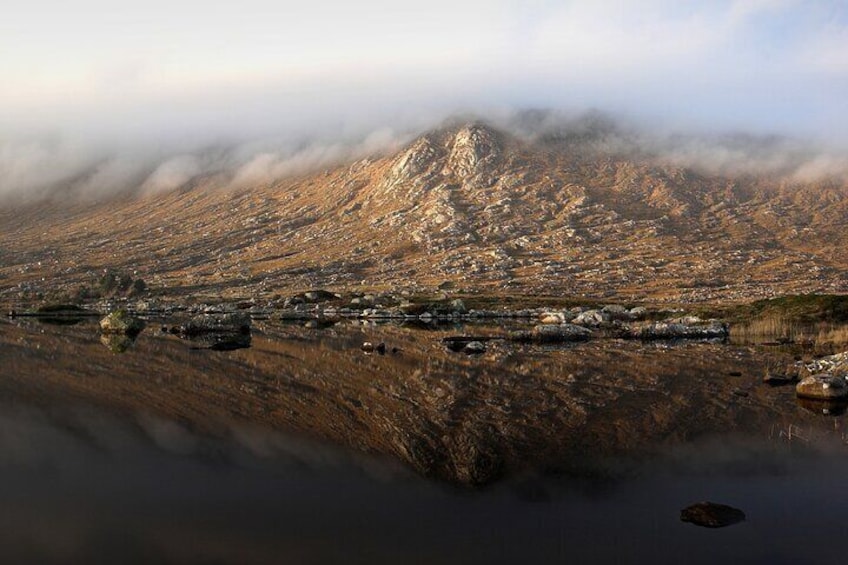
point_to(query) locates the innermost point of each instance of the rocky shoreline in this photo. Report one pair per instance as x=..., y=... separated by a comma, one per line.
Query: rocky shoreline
x=324, y=307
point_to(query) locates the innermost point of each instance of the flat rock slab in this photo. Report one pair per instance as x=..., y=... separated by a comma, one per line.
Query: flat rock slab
x=217, y=323
x=552, y=333
x=822, y=387
x=712, y=515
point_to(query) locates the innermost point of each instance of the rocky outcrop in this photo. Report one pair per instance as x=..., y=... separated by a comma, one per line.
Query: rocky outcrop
x=471, y=148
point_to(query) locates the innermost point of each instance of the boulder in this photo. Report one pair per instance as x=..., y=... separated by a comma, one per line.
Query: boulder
x=776, y=377
x=616, y=312
x=638, y=312
x=553, y=318
x=474, y=348
x=712, y=515
x=823, y=386
x=120, y=322
x=677, y=330
x=369, y=347
x=235, y=322
x=320, y=295
x=458, y=306
x=553, y=333
x=591, y=318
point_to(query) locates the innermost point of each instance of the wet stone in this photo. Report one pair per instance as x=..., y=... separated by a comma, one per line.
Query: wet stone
x=822, y=387
x=474, y=348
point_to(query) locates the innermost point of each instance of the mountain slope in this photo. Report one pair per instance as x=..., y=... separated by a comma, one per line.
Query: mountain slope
x=468, y=204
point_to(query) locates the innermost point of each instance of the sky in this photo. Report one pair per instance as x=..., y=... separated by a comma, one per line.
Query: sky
x=83, y=80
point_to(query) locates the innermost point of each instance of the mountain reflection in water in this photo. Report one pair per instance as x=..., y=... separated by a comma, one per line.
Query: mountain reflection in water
x=301, y=448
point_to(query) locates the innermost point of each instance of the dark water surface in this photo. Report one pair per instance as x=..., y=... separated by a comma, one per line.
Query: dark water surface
x=302, y=449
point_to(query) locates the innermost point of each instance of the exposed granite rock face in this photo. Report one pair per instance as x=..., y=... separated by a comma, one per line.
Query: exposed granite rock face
x=472, y=148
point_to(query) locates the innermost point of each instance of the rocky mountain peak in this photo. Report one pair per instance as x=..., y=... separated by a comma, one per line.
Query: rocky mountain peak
x=462, y=153
x=472, y=147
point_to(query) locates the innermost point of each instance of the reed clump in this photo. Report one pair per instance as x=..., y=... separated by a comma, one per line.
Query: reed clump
x=779, y=329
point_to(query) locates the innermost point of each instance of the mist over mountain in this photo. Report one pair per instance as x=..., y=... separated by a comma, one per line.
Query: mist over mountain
x=38, y=169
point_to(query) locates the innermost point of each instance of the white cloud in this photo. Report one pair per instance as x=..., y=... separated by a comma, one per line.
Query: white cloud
x=167, y=80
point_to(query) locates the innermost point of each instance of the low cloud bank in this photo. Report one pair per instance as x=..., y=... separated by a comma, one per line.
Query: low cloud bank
x=35, y=169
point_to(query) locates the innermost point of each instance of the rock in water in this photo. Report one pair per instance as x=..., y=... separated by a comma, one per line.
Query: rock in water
x=712, y=329
x=237, y=322
x=823, y=386
x=474, y=348
x=712, y=515
x=120, y=322
x=553, y=333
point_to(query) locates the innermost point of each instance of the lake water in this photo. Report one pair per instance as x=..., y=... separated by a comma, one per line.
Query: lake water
x=303, y=449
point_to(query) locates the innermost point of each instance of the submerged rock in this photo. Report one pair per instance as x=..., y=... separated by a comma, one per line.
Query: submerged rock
x=779, y=379
x=712, y=515
x=120, y=322
x=822, y=387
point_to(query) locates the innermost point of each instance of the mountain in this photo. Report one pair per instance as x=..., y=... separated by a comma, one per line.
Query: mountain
x=471, y=204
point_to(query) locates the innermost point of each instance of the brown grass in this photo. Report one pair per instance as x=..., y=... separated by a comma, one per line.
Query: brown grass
x=769, y=329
